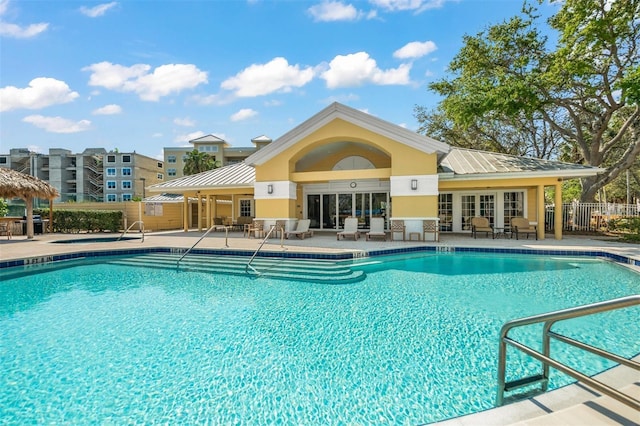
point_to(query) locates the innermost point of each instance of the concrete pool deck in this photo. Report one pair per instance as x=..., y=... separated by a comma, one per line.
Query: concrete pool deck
x=574, y=404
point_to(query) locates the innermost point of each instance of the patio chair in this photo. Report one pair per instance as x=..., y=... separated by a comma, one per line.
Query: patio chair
x=5, y=229
x=256, y=228
x=481, y=224
x=350, y=229
x=398, y=226
x=280, y=227
x=301, y=231
x=521, y=225
x=430, y=226
x=377, y=229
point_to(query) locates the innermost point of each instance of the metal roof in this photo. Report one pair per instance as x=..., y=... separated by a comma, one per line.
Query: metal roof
x=232, y=176
x=471, y=163
x=175, y=198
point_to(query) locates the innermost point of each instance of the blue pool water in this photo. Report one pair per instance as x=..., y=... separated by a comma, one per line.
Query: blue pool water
x=415, y=342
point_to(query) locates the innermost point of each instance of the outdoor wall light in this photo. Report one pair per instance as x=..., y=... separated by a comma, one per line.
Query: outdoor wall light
x=414, y=184
x=270, y=189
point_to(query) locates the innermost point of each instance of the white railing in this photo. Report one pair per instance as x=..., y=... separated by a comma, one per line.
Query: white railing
x=578, y=216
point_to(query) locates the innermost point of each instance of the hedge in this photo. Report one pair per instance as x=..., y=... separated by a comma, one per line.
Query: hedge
x=76, y=221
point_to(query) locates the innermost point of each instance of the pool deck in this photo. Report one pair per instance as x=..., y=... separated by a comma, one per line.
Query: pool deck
x=574, y=404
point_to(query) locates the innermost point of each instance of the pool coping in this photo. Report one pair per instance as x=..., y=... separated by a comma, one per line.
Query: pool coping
x=46, y=259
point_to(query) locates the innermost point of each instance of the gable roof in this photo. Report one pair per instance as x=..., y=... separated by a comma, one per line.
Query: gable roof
x=208, y=139
x=237, y=175
x=461, y=163
x=353, y=116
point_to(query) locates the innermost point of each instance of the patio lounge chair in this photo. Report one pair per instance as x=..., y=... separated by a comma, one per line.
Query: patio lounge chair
x=481, y=224
x=350, y=229
x=377, y=229
x=521, y=225
x=302, y=230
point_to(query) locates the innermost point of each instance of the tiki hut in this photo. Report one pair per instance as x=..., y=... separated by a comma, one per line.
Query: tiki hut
x=16, y=184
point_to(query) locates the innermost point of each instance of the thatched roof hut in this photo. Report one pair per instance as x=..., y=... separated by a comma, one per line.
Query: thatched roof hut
x=16, y=184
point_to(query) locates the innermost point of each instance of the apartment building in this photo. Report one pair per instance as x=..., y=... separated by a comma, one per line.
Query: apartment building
x=219, y=149
x=93, y=175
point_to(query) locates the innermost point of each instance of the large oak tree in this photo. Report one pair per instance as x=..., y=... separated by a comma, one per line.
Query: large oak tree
x=570, y=84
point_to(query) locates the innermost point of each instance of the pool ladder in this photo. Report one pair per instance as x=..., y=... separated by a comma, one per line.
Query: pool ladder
x=226, y=242
x=549, y=319
x=255, y=253
x=131, y=226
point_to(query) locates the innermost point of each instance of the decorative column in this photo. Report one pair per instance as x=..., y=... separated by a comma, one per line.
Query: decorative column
x=541, y=212
x=557, y=212
x=185, y=213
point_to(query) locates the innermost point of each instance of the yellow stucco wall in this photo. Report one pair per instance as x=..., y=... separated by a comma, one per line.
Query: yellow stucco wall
x=423, y=206
x=276, y=208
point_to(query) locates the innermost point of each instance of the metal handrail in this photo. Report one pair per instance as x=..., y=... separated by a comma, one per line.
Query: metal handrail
x=226, y=242
x=131, y=226
x=255, y=253
x=549, y=319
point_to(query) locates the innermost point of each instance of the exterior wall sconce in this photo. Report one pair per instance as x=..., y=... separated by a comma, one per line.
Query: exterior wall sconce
x=270, y=189
x=414, y=184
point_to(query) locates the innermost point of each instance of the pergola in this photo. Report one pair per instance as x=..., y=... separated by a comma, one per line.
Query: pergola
x=16, y=184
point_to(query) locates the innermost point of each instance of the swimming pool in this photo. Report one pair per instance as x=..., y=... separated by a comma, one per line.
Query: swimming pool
x=414, y=342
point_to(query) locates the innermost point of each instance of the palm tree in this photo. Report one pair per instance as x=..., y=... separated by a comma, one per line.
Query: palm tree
x=197, y=162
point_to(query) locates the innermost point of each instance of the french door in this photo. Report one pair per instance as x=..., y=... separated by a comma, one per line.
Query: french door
x=477, y=205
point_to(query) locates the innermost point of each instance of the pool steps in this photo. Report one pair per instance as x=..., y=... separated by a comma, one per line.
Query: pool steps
x=318, y=271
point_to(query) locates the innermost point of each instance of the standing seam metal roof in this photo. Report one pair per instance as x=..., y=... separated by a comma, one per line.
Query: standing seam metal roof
x=238, y=174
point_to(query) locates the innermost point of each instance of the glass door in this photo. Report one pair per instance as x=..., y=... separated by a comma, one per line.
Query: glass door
x=363, y=210
x=345, y=204
x=328, y=211
x=487, y=207
x=313, y=210
x=468, y=210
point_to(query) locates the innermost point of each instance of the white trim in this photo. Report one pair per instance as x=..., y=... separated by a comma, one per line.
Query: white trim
x=282, y=190
x=401, y=186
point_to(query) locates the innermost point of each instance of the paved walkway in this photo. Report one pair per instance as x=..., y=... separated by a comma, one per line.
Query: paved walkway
x=19, y=247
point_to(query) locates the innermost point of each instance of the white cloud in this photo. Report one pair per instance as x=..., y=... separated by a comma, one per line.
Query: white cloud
x=35, y=148
x=42, y=92
x=333, y=11
x=58, y=124
x=417, y=5
x=8, y=29
x=16, y=31
x=359, y=68
x=244, y=114
x=185, y=122
x=149, y=86
x=99, y=10
x=111, y=109
x=263, y=79
x=186, y=137
x=415, y=49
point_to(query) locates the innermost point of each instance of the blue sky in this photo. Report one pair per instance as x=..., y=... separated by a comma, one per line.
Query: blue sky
x=142, y=75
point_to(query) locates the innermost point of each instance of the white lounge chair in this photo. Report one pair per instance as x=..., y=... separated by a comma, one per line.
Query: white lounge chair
x=302, y=230
x=377, y=229
x=350, y=229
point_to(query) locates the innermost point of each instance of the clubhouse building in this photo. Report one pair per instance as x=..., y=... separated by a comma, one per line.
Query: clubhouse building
x=345, y=163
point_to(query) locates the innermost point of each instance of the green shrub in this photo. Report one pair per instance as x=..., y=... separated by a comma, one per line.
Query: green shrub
x=75, y=221
x=627, y=227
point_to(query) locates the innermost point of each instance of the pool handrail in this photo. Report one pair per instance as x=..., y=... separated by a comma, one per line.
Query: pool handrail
x=226, y=242
x=131, y=226
x=273, y=228
x=549, y=319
